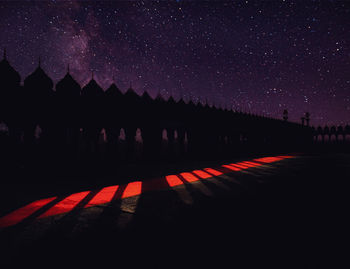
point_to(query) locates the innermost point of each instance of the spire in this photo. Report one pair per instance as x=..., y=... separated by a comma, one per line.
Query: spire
x=5, y=58
x=39, y=62
x=130, y=85
x=68, y=68
x=92, y=75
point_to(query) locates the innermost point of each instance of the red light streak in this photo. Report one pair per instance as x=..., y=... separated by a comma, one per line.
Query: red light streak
x=103, y=196
x=232, y=167
x=23, y=212
x=213, y=171
x=66, y=205
x=132, y=189
x=240, y=165
x=189, y=177
x=173, y=180
x=202, y=174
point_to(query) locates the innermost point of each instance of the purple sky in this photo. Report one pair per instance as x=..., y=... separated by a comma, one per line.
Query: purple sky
x=255, y=56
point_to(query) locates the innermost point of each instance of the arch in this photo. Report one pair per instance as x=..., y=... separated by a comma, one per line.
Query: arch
x=122, y=135
x=165, y=135
x=103, y=136
x=38, y=132
x=326, y=138
x=333, y=137
x=176, y=135
x=138, y=146
x=3, y=127
x=138, y=136
x=340, y=137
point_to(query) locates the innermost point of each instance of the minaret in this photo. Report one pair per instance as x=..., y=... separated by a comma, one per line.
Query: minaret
x=285, y=115
x=307, y=118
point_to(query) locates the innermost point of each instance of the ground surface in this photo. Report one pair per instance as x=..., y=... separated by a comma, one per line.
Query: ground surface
x=287, y=214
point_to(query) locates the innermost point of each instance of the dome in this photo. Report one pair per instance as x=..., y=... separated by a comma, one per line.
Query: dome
x=8, y=75
x=131, y=93
x=38, y=79
x=159, y=98
x=113, y=91
x=171, y=100
x=146, y=96
x=92, y=89
x=68, y=86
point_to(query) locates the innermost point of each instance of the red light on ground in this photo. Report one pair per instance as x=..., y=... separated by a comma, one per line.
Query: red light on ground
x=66, y=205
x=202, y=174
x=103, y=196
x=285, y=156
x=213, y=171
x=253, y=164
x=268, y=159
x=189, y=177
x=132, y=189
x=23, y=212
x=241, y=165
x=232, y=167
x=173, y=180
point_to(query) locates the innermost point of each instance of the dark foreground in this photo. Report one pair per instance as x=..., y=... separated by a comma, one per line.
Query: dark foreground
x=288, y=214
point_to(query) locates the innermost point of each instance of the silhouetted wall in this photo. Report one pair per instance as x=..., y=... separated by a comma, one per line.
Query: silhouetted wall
x=81, y=126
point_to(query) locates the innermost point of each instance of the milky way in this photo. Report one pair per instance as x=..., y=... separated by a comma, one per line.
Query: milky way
x=251, y=56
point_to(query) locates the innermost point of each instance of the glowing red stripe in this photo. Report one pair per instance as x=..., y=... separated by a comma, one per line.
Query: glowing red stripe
x=103, y=196
x=232, y=167
x=268, y=159
x=253, y=163
x=213, y=171
x=66, y=205
x=202, y=174
x=173, y=180
x=132, y=189
x=23, y=212
x=241, y=165
x=189, y=177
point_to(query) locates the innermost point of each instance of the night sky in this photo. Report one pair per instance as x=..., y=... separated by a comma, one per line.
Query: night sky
x=255, y=56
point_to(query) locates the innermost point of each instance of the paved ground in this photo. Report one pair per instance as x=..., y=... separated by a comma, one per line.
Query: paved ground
x=286, y=214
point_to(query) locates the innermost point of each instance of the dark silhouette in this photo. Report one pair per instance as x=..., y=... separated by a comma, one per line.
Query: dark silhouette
x=72, y=127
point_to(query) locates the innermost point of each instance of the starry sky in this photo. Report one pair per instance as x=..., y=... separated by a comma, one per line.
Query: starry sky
x=254, y=56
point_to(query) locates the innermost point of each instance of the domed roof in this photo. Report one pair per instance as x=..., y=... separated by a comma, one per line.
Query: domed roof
x=159, y=97
x=39, y=78
x=92, y=89
x=146, y=95
x=68, y=86
x=171, y=100
x=7, y=73
x=131, y=92
x=113, y=90
x=181, y=102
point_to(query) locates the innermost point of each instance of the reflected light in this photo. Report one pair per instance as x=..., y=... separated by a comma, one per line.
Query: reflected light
x=23, y=212
x=132, y=189
x=135, y=188
x=232, y=167
x=173, y=180
x=202, y=174
x=213, y=171
x=66, y=205
x=103, y=196
x=189, y=177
